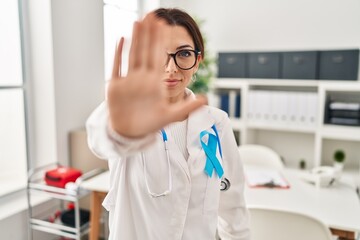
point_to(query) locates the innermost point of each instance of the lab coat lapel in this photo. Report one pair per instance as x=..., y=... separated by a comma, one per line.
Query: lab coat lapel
x=199, y=121
x=177, y=155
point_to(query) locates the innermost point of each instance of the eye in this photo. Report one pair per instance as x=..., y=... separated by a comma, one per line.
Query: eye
x=185, y=53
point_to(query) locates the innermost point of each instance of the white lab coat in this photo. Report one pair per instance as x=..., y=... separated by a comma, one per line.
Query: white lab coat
x=196, y=207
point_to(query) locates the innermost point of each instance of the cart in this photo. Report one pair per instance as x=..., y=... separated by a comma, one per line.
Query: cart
x=37, y=185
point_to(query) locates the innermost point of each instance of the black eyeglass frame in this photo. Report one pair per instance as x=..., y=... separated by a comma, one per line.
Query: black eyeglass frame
x=173, y=56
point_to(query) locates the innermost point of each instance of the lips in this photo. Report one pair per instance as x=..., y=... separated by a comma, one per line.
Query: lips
x=172, y=82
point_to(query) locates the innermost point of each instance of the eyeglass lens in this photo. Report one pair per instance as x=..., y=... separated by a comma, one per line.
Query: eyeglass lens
x=185, y=59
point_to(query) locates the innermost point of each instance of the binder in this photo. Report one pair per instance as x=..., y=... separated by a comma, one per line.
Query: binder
x=251, y=105
x=238, y=106
x=313, y=108
x=263, y=106
x=224, y=102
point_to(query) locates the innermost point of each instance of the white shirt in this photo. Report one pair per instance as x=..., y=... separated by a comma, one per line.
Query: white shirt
x=196, y=207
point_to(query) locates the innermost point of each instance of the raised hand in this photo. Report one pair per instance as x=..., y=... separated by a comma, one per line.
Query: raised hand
x=137, y=103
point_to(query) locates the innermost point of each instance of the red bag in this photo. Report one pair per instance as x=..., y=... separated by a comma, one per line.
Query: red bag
x=60, y=176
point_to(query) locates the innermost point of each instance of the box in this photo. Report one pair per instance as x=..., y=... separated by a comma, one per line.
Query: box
x=299, y=65
x=339, y=65
x=232, y=65
x=264, y=65
x=60, y=176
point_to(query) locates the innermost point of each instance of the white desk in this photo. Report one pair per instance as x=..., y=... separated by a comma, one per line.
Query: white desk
x=337, y=206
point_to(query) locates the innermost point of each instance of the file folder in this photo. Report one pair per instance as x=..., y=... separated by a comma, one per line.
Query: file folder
x=265, y=178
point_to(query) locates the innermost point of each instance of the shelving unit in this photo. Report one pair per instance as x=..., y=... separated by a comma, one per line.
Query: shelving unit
x=36, y=185
x=315, y=142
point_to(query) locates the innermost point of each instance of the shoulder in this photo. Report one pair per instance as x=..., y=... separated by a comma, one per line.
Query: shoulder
x=220, y=118
x=217, y=114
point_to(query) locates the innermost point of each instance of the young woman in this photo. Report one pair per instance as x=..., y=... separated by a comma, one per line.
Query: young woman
x=175, y=171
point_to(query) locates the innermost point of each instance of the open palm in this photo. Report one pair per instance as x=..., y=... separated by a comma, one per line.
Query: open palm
x=137, y=102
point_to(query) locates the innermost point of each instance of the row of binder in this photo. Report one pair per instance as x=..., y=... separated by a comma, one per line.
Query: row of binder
x=230, y=102
x=270, y=106
x=283, y=107
x=343, y=113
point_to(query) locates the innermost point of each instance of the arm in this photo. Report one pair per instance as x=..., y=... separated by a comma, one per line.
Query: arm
x=105, y=143
x=233, y=214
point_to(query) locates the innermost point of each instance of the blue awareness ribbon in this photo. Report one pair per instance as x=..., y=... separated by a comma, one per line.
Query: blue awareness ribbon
x=212, y=162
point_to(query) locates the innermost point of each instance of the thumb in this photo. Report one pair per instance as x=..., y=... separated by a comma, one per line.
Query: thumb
x=181, y=110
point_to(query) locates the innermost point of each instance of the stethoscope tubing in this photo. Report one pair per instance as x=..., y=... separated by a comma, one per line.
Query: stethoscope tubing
x=225, y=183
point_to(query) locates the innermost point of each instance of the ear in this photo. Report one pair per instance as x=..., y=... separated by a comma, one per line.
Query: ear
x=198, y=62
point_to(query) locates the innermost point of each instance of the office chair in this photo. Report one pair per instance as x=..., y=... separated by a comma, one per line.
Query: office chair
x=260, y=156
x=284, y=225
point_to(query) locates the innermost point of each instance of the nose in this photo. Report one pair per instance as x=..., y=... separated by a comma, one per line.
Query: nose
x=171, y=67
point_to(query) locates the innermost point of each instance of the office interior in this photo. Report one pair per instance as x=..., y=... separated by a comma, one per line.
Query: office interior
x=61, y=55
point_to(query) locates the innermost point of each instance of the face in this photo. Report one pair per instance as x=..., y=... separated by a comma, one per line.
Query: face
x=176, y=79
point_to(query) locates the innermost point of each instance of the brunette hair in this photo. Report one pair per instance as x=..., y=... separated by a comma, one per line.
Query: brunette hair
x=177, y=17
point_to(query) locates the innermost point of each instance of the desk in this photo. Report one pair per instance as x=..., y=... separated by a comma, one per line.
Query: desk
x=99, y=185
x=337, y=206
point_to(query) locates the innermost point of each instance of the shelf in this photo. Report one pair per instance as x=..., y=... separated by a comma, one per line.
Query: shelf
x=310, y=140
x=59, y=193
x=345, y=86
x=328, y=84
x=229, y=83
x=340, y=132
x=283, y=127
x=59, y=228
x=284, y=82
x=238, y=82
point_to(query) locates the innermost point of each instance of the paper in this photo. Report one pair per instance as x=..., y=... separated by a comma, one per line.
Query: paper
x=265, y=178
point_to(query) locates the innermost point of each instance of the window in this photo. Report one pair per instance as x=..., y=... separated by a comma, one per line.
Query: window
x=119, y=16
x=13, y=152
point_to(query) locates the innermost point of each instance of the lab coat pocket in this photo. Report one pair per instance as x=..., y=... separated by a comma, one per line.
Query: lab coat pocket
x=156, y=169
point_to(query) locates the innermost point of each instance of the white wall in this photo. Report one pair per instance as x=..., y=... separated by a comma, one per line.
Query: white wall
x=39, y=79
x=78, y=47
x=66, y=72
x=246, y=25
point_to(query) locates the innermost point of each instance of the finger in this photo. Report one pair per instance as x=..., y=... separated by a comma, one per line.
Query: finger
x=144, y=41
x=134, y=49
x=116, y=73
x=158, y=56
x=182, y=110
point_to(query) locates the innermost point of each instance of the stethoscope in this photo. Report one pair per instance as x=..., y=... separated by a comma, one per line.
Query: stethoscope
x=224, y=186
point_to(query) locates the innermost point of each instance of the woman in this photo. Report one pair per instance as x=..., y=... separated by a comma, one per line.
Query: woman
x=167, y=152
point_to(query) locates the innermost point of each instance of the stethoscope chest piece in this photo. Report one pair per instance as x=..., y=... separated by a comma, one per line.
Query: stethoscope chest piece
x=225, y=184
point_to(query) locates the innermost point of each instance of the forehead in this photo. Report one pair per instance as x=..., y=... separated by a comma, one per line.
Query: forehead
x=177, y=36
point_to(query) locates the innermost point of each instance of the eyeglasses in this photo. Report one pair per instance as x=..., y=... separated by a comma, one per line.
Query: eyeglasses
x=184, y=59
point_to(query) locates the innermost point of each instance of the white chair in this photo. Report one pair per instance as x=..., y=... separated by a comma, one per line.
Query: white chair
x=260, y=156
x=275, y=224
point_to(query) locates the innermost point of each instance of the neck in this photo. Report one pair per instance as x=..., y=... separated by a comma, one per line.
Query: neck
x=176, y=99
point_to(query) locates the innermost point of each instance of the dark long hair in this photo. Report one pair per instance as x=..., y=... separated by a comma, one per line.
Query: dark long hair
x=177, y=17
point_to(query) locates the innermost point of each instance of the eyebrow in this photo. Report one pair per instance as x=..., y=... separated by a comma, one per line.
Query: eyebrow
x=184, y=46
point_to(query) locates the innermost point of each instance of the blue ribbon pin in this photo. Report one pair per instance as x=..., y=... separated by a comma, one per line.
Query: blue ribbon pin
x=212, y=162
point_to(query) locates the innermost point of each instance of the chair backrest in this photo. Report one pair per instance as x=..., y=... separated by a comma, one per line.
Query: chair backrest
x=285, y=225
x=260, y=156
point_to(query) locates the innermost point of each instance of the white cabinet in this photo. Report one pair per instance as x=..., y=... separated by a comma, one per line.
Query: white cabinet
x=291, y=118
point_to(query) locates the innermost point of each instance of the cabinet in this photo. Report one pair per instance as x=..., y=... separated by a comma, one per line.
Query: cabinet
x=294, y=139
x=43, y=222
